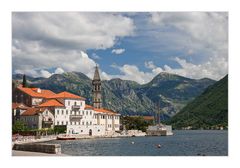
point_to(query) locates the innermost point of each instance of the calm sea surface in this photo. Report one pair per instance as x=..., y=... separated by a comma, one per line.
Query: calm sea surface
x=182, y=143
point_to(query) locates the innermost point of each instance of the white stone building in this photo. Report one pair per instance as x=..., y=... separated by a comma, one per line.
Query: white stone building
x=67, y=109
x=70, y=110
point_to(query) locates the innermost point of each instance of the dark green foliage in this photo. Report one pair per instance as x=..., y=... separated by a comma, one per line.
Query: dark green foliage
x=59, y=129
x=18, y=127
x=207, y=111
x=135, y=123
x=24, y=82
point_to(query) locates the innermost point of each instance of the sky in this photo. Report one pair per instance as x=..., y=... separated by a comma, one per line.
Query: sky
x=131, y=46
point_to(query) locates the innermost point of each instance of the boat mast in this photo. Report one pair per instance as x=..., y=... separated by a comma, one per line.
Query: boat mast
x=158, y=111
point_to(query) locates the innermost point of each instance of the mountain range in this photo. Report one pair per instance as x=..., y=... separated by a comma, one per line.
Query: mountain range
x=171, y=92
x=208, y=110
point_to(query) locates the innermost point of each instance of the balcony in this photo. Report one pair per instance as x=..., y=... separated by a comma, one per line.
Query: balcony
x=76, y=107
x=49, y=122
x=75, y=118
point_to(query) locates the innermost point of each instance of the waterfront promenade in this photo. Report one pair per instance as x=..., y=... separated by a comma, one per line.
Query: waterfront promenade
x=26, y=153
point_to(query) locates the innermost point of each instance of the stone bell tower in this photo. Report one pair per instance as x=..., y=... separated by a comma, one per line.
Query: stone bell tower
x=96, y=89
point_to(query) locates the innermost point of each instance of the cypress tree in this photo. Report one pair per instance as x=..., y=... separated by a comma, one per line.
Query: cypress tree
x=24, y=83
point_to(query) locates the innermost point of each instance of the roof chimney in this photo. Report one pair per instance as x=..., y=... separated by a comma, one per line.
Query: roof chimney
x=39, y=90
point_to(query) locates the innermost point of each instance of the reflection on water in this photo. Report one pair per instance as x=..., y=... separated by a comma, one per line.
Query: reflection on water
x=182, y=143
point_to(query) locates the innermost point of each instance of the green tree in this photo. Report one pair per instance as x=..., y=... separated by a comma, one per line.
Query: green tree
x=19, y=126
x=24, y=82
x=135, y=122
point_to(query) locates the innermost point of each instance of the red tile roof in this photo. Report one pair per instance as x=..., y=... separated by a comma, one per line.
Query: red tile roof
x=105, y=111
x=67, y=95
x=33, y=92
x=51, y=103
x=19, y=105
x=88, y=106
x=33, y=111
x=148, y=118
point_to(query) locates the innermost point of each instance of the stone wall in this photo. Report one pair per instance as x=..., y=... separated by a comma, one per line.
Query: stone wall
x=39, y=147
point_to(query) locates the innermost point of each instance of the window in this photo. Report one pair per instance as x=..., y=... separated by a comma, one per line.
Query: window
x=83, y=123
x=62, y=123
x=57, y=112
x=81, y=130
x=75, y=103
x=87, y=123
x=62, y=112
x=82, y=112
x=46, y=112
x=80, y=103
x=57, y=122
x=90, y=113
x=103, y=117
x=90, y=122
x=66, y=112
x=69, y=103
x=21, y=98
x=66, y=122
x=86, y=112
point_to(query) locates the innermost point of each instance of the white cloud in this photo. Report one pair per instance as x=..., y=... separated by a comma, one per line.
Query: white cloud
x=204, y=35
x=149, y=65
x=208, y=28
x=214, y=70
x=132, y=72
x=67, y=60
x=59, y=71
x=72, y=30
x=45, y=74
x=95, y=56
x=118, y=51
x=30, y=72
x=43, y=40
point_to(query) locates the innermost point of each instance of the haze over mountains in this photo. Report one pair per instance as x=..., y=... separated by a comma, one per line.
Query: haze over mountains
x=172, y=92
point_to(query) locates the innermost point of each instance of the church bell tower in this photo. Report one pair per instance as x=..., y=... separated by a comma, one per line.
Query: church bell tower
x=96, y=90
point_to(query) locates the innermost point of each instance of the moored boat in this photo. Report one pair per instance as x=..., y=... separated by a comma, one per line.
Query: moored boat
x=65, y=138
